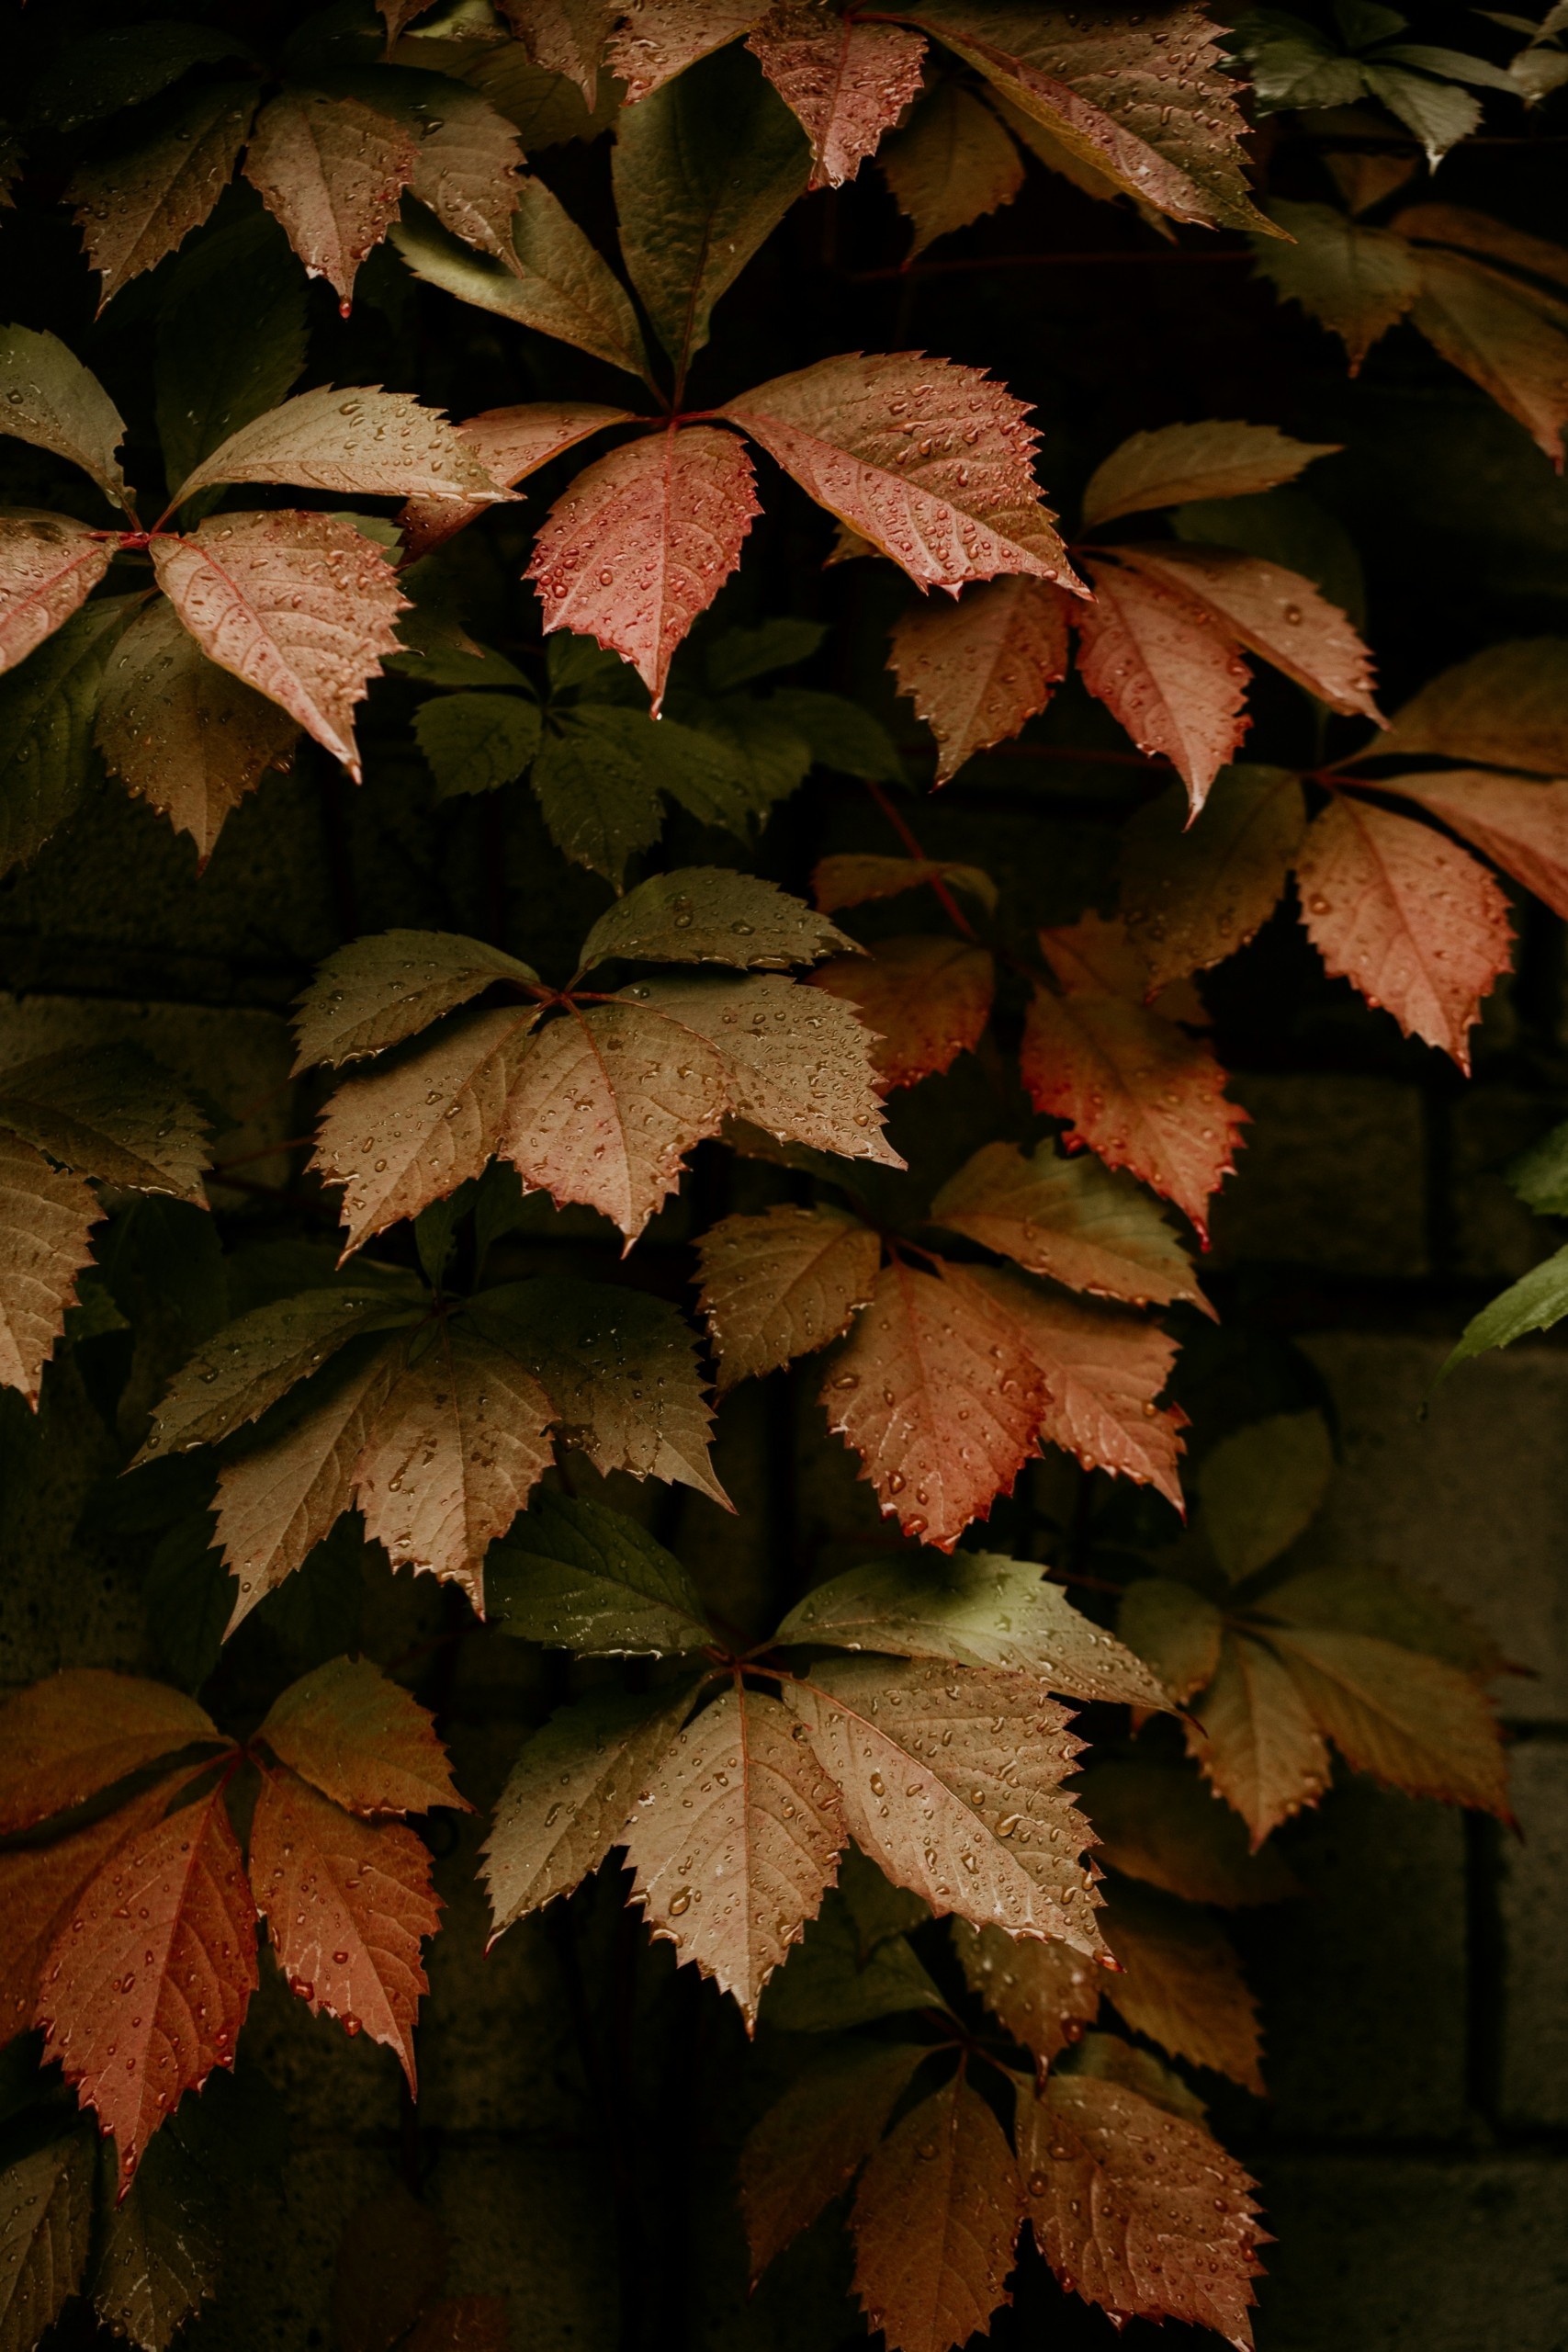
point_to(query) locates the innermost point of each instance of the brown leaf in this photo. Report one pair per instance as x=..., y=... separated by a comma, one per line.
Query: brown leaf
x=736, y=1843
x=924, y=1000
x=1166, y=670
x=346, y=1904
x=68, y=1738
x=939, y=1398
x=565, y=36
x=1478, y=233
x=300, y=607
x=1136, y=1091
x=252, y=1361
x=1520, y=826
x=1273, y=612
x=56, y=403
x=1508, y=338
x=1182, y=462
x=847, y=83
x=377, y=991
x=1411, y=922
x=851, y=878
x=1507, y=707
x=1137, y=2209
x=659, y=38
x=935, y=2223
x=452, y=1457
x=1354, y=280
x=643, y=541
x=1157, y=1822
x=1413, y=1720
x=1181, y=1983
x=110, y=1111
x=929, y=462
x=1071, y=1219
x=811, y=2142
x=1256, y=1739
x=414, y=1129
x=361, y=441
x=951, y=1781
x=1192, y=894
x=142, y=199
x=951, y=163
x=46, y=1220
x=148, y=1986
x=45, y=2235
x=1177, y=1628
x=707, y=914
x=48, y=565
x=1044, y=1994
x=468, y=166
x=190, y=738
x=778, y=1285
x=361, y=1739
x=978, y=672
x=331, y=170
x=510, y=444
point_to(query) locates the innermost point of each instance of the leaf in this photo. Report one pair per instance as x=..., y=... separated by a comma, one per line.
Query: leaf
x=51, y=400
x=361, y=1739
x=1275, y=613
x=1182, y=462
x=159, y=2255
x=361, y=441
x=1158, y=1823
x=598, y=790
x=1071, y=1219
x=1440, y=116
x=850, y=879
x=1534, y=1303
x=1043, y=1993
x=778, y=1285
x=979, y=672
x=643, y=541
x=737, y=1842
x=967, y=506
x=974, y=1757
x=704, y=169
x=46, y=727
x=75, y=1734
x=186, y=736
x=828, y=1985
x=577, y=1577
x=924, y=1000
x=300, y=607
x=1153, y=656
x=1262, y=1485
x=276, y=1501
x=476, y=743
x=571, y=1791
x=231, y=338
x=1177, y=1628
x=1136, y=1091
x=46, y=2219
x=1520, y=826
x=1137, y=2209
x=554, y=280
x=659, y=39
x=1507, y=707
x=846, y=82
x=706, y=914
x=1409, y=920
x=1410, y=1720
x=379, y=991
x=949, y=163
x=1478, y=233
x=1381, y=1603
x=1256, y=1739
x=415, y=1128
x=331, y=170
x=1354, y=280
x=50, y=565
x=935, y=2221
x=510, y=444
x=811, y=2142
x=110, y=1112
x=140, y=200
x=939, y=1399
x=878, y=1911
x=977, y=1609
x=1193, y=893
x=839, y=734
x=149, y=1985
x=46, y=1223
x=468, y=165
x=1181, y=1985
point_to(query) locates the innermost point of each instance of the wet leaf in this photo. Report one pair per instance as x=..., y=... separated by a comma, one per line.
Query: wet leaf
x=110, y=1111
x=978, y=672
x=578, y=1576
x=46, y=727
x=361, y=441
x=1520, y=826
x=1181, y=462
x=1255, y=1739
x=924, y=1000
x=1273, y=612
x=54, y=401
x=74, y=1735
x=46, y=2219
x=160, y=2256
x=846, y=82
x=361, y=1739
x=49, y=566
x=331, y=170
x=659, y=39
x=811, y=2142
x=1357, y=281
x=1043, y=1993
x=1071, y=1219
x=553, y=279
x=1166, y=670
x=706, y=914
x=1507, y=707
x=379, y=991
x=778, y=1285
x=46, y=1223
x=139, y=199
x=935, y=2221
x=510, y=444
x=951, y=163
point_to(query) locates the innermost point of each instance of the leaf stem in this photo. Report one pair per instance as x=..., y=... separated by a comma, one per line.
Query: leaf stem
x=905, y=831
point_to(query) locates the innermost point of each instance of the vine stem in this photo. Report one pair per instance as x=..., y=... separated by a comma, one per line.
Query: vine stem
x=950, y=905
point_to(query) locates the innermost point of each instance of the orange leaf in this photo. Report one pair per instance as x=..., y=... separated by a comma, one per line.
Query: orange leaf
x=510, y=444
x=1163, y=668
x=346, y=1904
x=951, y=163
x=776, y=1286
x=1071, y=1219
x=1507, y=337
x=1415, y=1721
x=1044, y=1994
x=361, y=1739
x=926, y=1000
x=1181, y=1983
x=1520, y=826
x=48, y=565
x=1255, y=1737
x=77, y=1733
x=1275, y=613
x=935, y=2221
x=331, y=170
x=46, y=1221
x=977, y=672
x=939, y=1398
x=847, y=83
x=1406, y=918
x=147, y=1988
x=812, y=2141
x=643, y=541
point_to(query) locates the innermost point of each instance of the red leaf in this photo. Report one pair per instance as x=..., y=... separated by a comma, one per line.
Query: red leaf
x=643, y=542
x=147, y=1988
x=940, y=1400
x=1160, y=665
x=847, y=83
x=346, y=1904
x=1411, y=922
x=40, y=1885
x=978, y=672
x=333, y=171
x=1520, y=826
x=1275, y=613
x=48, y=565
x=510, y=444
x=66, y=1738
x=362, y=1739
x=927, y=1001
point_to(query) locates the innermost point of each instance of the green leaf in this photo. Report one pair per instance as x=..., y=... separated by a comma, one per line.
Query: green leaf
x=231, y=342
x=824, y=1987
x=738, y=655
x=46, y=2213
x=1539, y=1176
x=842, y=735
x=47, y=397
x=764, y=758
x=594, y=786
x=1262, y=1487
x=110, y=1111
x=96, y=74
x=47, y=706
x=189, y=1598
x=706, y=914
x=575, y=1576
x=704, y=170
x=476, y=743
x=1439, y=115
x=254, y=1361
x=1534, y=1303
x=160, y=2254
x=557, y=282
